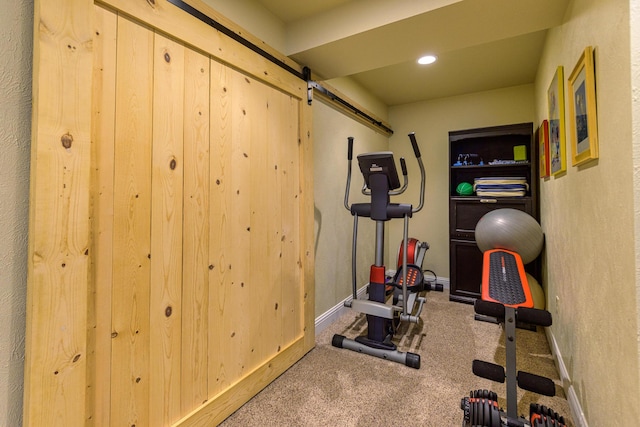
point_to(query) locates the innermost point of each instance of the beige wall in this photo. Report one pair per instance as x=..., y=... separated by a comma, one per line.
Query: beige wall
x=16, y=28
x=432, y=121
x=588, y=219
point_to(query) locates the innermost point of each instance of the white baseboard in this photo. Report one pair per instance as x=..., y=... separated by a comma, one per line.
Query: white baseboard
x=329, y=316
x=576, y=409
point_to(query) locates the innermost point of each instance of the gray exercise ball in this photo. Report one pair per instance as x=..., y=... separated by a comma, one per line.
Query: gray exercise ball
x=512, y=230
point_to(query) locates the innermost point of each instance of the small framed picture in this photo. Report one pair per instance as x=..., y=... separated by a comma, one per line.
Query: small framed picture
x=582, y=110
x=555, y=98
x=543, y=149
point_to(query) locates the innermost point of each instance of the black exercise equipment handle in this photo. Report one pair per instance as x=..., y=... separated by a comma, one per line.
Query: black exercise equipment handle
x=534, y=316
x=349, y=158
x=405, y=180
x=488, y=370
x=488, y=308
x=536, y=383
x=414, y=143
x=416, y=151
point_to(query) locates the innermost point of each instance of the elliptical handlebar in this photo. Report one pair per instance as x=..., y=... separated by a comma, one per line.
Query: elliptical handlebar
x=405, y=179
x=416, y=151
x=414, y=143
x=349, y=158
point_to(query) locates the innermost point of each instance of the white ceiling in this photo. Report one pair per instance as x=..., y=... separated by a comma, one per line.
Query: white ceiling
x=480, y=44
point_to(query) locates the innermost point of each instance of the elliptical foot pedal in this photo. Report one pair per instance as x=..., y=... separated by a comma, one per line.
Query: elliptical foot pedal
x=415, y=278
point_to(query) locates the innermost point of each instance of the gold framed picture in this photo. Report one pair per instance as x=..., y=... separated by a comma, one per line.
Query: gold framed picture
x=582, y=110
x=555, y=99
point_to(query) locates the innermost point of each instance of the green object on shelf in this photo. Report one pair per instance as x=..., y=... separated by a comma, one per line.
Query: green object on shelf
x=520, y=152
x=464, y=189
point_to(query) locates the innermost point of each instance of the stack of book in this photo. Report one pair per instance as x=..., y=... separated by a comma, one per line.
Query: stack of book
x=501, y=186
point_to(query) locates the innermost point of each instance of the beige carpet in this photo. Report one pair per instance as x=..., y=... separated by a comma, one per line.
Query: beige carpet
x=338, y=387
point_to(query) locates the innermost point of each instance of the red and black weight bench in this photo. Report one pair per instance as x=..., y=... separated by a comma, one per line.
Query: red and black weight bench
x=506, y=297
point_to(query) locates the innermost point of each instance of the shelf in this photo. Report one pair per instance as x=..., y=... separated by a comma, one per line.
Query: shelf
x=480, y=198
x=503, y=165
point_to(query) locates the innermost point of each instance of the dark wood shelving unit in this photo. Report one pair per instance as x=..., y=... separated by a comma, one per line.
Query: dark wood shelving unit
x=485, y=145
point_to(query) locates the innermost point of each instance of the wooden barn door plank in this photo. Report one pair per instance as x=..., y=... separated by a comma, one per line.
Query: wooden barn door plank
x=272, y=209
x=306, y=222
x=292, y=327
x=220, y=217
x=166, y=231
x=233, y=347
x=260, y=305
x=104, y=89
x=132, y=227
x=196, y=267
x=59, y=222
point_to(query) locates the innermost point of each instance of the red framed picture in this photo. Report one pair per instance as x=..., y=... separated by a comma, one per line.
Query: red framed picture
x=543, y=146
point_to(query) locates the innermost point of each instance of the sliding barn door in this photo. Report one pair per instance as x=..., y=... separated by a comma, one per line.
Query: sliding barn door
x=189, y=286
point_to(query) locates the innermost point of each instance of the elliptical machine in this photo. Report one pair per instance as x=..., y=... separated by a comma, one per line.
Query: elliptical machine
x=381, y=182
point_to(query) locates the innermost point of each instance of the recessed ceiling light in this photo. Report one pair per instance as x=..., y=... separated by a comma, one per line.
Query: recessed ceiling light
x=428, y=59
